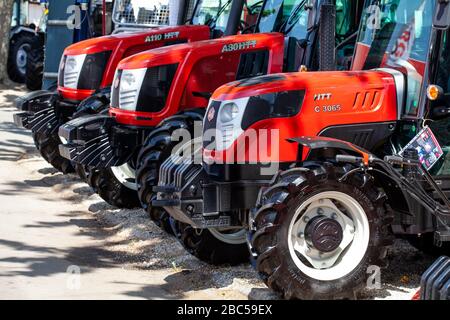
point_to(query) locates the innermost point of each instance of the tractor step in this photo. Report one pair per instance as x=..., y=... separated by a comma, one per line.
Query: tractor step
x=435, y=282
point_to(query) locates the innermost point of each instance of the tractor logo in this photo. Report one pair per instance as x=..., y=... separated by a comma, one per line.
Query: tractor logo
x=322, y=96
x=160, y=37
x=239, y=46
x=211, y=114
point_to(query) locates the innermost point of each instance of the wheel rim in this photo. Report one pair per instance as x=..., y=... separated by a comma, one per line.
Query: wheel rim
x=21, y=58
x=328, y=236
x=230, y=236
x=126, y=175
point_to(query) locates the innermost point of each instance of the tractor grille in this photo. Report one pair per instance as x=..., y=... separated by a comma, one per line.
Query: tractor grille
x=227, y=135
x=176, y=170
x=128, y=99
x=71, y=79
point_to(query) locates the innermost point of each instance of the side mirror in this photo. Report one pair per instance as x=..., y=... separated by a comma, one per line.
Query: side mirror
x=441, y=18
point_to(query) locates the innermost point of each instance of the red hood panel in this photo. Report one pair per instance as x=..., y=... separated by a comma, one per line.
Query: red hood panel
x=331, y=99
x=127, y=44
x=316, y=82
x=152, y=35
x=201, y=48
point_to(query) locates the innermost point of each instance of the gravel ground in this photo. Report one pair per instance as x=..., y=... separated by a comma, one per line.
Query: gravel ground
x=134, y=243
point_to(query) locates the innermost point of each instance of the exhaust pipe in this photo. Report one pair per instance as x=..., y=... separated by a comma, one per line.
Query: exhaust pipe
x=327, y=37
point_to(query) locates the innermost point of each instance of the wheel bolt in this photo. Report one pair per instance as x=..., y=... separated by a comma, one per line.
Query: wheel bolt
x=334, y=216
x=301, y=235
x=320, y=211
x=306, y=219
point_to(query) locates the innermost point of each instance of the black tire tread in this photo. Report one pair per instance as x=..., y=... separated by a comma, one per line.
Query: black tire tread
x=155, y=150
x=15, y=43
x=48, y=146
x=106, y=185
x=270, y=214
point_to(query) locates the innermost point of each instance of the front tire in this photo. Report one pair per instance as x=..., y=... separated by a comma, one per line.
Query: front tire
x=156, y=149
x=315, y=236
x=213, y=246
x=116, y=188
x=48, y=146
x=35, y=66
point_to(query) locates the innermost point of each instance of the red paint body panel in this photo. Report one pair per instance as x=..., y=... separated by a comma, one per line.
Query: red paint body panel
x=203, y=67
x=125, y=45
x=75, y=94
x=363, y=97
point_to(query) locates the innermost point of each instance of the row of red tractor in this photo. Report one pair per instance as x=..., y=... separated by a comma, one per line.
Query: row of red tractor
x=303, y=136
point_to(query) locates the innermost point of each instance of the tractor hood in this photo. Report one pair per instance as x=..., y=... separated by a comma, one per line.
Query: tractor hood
x=202, y=49
x=90, y=65
x=299, y=104
x=152, y=85
x=338, y=84
x=159, y=34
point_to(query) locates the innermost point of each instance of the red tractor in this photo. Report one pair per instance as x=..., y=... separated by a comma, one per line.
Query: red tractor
x=325, y=168
x=87, y=71
x=161, y=91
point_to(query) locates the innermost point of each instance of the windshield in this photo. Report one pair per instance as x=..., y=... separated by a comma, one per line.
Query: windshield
x=396, y=34
x=289, y=15
x=212, y=12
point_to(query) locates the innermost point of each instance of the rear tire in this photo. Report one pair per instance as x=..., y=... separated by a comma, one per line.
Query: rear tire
x=35, y=66
x=207, y=247
x=19, y=49
x=288, y=263
x=109, y=188
x=48, y=146
x=156, y=149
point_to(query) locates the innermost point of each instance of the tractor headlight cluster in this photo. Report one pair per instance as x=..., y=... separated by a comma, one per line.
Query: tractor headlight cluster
x=126, y=87
x=70, y=70
x=83, y=71
x=144, y=89
x=223, y=121
x=229, y=112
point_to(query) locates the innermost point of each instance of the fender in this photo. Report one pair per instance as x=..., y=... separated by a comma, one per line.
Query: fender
x=20, y=29
x=95, y=104
x=322, y=144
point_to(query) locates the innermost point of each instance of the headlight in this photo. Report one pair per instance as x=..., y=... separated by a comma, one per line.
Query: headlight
x=84, y=71
x=222, y=124
x=70, y=70
x=143, y=90
x=229, y=112
x=126, y=87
